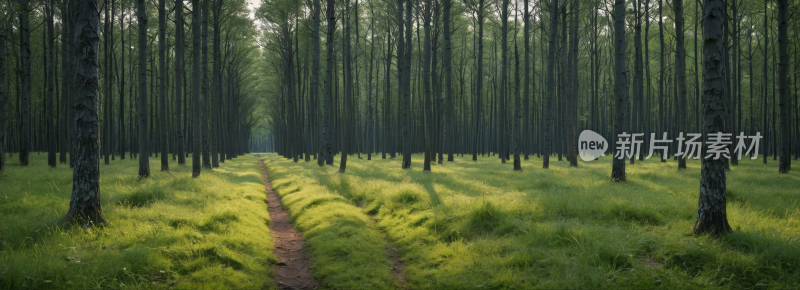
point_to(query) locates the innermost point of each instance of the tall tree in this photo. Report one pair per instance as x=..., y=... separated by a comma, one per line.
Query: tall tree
x=25, y=92
x=404, y=75
x=426, y=82
x=515, y=117
x=783, y=90
x=449, y=111
x=162, y=68
x=144, y=132
x=551, y=85
x=197, y=134
x=315, y=70
x=327, y=146
x=204, y=84
x=620, y=86
x=3, y=100
x=711, y=211
x=51, y=126
x=179, y=94
x=680, y=72
x=85, y=207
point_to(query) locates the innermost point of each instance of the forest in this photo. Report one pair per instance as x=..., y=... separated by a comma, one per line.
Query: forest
x=467, y=125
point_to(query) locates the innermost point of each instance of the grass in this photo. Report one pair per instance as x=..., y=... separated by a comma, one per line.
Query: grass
x=167, y=231
x=481, y=225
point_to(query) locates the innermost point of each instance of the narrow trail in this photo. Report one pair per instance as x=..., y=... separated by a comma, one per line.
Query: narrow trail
x=394, y=254
x=293, y=270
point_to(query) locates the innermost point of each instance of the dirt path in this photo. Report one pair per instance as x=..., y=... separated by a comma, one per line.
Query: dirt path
x=293, y=270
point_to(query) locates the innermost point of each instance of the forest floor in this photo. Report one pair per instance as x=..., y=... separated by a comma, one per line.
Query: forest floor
x=465, y=225
x=481, y=225
x=170, y=231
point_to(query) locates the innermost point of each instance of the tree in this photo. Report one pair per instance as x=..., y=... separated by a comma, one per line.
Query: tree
x=551, y=83
x=85, y=207
x=204, y=84
x=783, y=91
x=327, y=146
x=144, y=132
x=51, y=139
x=711, y=212
x=620, y=85
x=162, y=68
x=3, y=100
x=197, y=134
x=179, y=94
x=449, y=127
x=25, y=93
x=315, y=71
x=515, y=130
x=680, y=72
x=426, y=82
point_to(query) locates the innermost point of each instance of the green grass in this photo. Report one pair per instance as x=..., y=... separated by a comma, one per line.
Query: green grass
x=482, y=225
x=168, y=231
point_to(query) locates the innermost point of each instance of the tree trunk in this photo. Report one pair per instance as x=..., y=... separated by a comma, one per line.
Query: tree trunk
x=25, y=91
x=680, y=71
x=327, y=146
x=426, y=81
x=179, y=94
x=51, y=126
x=783, y=91
x=620, y=86
x=3, y=100
x=85, y=206
x=144, y=132
x=551, y=85
x=711, y=213
x=197, y=134
x=162, y=68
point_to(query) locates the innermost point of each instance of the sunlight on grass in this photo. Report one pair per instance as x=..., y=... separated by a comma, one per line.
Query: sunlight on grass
x=468, y=224
x=168, y=231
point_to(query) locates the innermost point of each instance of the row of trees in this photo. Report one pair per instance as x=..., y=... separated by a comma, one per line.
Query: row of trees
x=415, y=76
x=109, y=83
x=148, y=100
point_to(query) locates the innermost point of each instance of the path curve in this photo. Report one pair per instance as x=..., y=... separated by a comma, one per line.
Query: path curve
x=293, y=270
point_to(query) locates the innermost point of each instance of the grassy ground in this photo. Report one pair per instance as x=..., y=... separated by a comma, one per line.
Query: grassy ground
x=168, y=231
x=482, y=225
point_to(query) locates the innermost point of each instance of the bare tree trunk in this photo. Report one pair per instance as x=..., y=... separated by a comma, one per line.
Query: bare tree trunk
x=204, y=85
x=404, y=59
x=3, y=100
x=620, y=86
x=327, y=146
x=680, y=71
x=711, y=212
x=783, y=91
x=426, y=82
x=179, y=66
x=449, y=123
x=85, y=207
x=551, y=85
x=51, y=125
x=162, y=68
x=144, y=134
x=197, y=134
x=515, y=129
x=25, y=91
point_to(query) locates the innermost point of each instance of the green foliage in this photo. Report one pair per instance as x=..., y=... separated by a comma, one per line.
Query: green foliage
x=482, y=225
x=167, y=231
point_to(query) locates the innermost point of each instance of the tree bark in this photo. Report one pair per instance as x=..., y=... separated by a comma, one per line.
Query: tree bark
x=179, y=94
x=784, y=165
x=551, y=85
x=680, y=71
x=144, y=132
x=620, y=86
x=711, y=211
x=327, y=146
x=25, y=91
x=197, y=134
x=162, y=68
x=85, y=207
